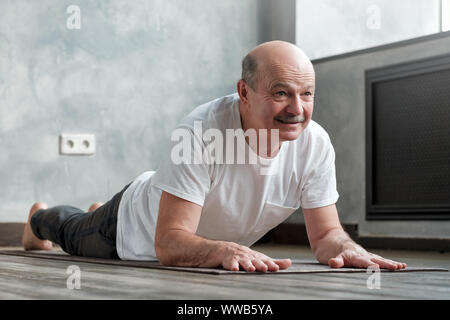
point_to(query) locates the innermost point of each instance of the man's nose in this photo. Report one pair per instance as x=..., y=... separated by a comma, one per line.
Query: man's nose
x=295, y=106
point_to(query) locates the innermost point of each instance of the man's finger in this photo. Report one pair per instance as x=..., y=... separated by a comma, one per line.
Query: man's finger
x=259, y=265
x=388, y=264
x=247, y=265
x=400, y=265
x=337, y=262
x=359, y=261
x=383, y=263
x=283, y=263
x=232, y=265
x=272, y=265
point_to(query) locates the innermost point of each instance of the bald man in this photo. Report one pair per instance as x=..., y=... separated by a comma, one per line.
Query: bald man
x=208, y=212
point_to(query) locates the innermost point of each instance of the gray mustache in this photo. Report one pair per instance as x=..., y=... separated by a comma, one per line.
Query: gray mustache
x=293, y=119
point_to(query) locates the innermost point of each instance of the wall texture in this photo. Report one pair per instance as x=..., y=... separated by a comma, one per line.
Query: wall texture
x=328, y=27
x=128, y=75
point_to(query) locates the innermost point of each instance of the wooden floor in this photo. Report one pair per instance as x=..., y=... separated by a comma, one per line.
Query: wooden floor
x=31, y=278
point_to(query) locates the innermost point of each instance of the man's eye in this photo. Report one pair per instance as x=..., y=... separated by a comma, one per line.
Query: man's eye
x=308, y=93
x=280, y=93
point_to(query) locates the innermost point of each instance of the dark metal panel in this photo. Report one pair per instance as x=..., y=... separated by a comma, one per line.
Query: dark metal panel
x=433, y=202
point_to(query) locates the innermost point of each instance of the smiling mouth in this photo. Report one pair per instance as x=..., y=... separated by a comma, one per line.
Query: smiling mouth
x=290, y=120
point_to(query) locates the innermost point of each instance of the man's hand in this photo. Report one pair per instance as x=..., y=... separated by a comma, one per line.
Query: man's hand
x=332, y=245
x=235, y=256
x=356, y=256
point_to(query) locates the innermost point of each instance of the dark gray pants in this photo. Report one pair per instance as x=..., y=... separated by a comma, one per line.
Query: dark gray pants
x=79, y=233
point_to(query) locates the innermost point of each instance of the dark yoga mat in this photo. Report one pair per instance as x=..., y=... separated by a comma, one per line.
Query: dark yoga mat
x=298, y=266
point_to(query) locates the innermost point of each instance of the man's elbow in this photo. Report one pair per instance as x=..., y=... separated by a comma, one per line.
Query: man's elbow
x=162, y=250
x=163, y=258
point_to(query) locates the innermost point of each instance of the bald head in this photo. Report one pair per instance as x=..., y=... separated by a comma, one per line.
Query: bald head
x=273, y=55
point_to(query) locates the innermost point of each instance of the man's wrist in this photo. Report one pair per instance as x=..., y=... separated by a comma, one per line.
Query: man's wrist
x=216, y=251
x=332, y=244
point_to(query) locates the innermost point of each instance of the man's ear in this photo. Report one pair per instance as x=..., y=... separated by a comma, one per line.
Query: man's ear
x=242, y=89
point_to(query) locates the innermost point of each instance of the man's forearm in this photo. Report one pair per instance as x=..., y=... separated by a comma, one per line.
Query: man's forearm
x=333, y=243
x=181, y=248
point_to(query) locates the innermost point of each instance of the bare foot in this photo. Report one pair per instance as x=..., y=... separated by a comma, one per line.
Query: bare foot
x=29, y=240
x=95, y=206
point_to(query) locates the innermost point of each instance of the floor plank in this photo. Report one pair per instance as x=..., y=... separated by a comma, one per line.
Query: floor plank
x=32, y=278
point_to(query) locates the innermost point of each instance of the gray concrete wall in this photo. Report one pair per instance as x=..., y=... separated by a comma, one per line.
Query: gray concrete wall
x=340, y=109
x=276, y=20
x=329, y=27
x=128, y=75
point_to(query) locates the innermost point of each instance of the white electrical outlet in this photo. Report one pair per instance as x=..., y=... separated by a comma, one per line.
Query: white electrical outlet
x=83, y=144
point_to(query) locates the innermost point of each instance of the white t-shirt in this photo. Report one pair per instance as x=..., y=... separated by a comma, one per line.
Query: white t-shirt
x=240, y=202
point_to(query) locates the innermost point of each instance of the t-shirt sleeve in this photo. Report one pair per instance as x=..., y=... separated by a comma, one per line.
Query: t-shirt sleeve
x=319, y=189
x=183, y=172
